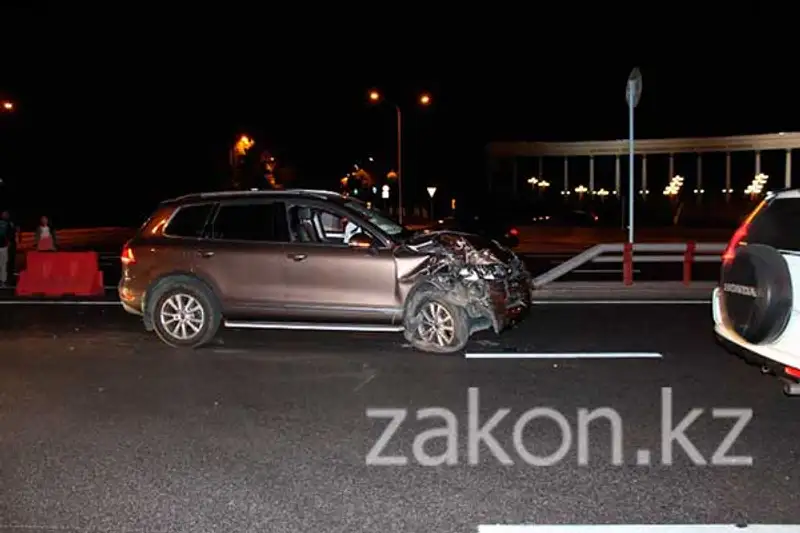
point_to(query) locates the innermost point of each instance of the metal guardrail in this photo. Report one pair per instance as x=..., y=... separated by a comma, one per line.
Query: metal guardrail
x=686, y=253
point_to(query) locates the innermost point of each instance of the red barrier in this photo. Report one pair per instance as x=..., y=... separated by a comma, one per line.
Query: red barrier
x=61, y=274
x=627, y=264
x=688, y=259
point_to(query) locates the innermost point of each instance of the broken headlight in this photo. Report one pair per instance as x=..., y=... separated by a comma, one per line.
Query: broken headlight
x=485, y=272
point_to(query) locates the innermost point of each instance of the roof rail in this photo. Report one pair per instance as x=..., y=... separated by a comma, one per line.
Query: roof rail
x=320, y=193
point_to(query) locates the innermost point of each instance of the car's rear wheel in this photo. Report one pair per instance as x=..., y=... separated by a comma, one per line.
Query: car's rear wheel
x=436, y=325
x=185, y=314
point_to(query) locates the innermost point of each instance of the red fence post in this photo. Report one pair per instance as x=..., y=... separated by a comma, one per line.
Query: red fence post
x=688, y=259
x=627, y=264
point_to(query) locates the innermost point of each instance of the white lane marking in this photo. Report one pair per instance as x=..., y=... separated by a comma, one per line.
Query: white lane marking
x=659, y=528
x=602, y=271
x=56, y=302
x=621, y=302
x=566, y=355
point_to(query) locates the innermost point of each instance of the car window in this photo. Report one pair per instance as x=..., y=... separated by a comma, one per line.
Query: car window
x=331, y=223
x=778, y=225
x=189, y=221
x=261, y=222
x=319, y=225
x=375, y=217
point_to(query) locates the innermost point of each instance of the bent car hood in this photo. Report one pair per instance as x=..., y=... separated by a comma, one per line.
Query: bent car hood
x=468, y=246
x=434, y=251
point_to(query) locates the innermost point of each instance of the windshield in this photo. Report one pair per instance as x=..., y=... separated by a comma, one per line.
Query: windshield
x=389, y=226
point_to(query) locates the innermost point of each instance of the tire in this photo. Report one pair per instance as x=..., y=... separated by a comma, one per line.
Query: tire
x=454, y=323
x=757, y=293
x=204, y=313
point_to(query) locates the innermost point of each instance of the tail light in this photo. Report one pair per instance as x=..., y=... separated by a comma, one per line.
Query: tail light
x=513, y=231
x=127, y=256
x=740, y=235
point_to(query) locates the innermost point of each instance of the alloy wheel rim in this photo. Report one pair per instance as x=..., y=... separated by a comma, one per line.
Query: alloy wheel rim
x=182, y=316
x=437, y=325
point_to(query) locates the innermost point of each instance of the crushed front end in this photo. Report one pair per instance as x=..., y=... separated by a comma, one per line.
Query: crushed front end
x=486, y=279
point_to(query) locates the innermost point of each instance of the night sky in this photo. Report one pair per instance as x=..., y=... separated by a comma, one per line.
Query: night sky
x=113, y=118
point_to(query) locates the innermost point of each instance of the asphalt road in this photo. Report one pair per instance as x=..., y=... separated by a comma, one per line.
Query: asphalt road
x=103, y=428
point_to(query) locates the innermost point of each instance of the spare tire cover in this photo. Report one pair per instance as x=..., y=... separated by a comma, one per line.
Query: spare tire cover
x=757, y=293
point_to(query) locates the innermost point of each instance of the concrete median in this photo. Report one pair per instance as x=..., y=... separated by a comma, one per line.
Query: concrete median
x=617, y=291
x=83, y=238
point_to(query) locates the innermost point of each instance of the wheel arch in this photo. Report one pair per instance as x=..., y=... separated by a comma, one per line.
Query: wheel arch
x=148, y=304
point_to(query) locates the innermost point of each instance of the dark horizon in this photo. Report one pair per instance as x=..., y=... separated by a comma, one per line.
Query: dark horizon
x=136, y=125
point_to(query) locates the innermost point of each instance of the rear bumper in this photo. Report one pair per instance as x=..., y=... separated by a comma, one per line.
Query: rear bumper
x=766, y=357
x=130, y=297
x=748, y=355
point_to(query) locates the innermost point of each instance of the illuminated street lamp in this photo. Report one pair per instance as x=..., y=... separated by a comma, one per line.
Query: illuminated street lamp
x=7, y=106
x=581, y=190
x=673, y=188
x=243, y=145
x=425, y=99
x=756, y=187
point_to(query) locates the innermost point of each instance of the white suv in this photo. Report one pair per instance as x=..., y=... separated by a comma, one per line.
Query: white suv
x=757, y=304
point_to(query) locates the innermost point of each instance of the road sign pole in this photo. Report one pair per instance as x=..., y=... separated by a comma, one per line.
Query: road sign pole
x=631, y=192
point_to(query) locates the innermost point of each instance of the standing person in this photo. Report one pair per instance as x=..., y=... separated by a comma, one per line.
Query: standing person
x=14, y=239
x=5, y=240
x=44, y=239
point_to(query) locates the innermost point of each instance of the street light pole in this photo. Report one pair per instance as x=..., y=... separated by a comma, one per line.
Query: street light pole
x=425, y=100
x=399, y=164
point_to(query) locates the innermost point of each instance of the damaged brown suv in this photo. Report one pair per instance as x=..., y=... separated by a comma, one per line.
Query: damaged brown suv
x=313, y=260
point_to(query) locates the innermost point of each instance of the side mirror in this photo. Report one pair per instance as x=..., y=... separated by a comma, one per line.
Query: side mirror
x=360, y=240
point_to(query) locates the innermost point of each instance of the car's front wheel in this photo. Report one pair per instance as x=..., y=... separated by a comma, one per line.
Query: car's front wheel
x=436, y=325
x=185, y=314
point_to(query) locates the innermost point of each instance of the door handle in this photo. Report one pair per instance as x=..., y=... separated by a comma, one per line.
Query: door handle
x=298, y=257
x=205, y=255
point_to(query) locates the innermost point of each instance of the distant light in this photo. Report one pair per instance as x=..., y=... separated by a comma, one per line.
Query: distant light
x=374, y=96
x=371, y=160
x=8, y=106
x=425, y=99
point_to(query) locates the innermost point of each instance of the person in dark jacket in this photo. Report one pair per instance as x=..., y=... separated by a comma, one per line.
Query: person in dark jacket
x=13, y=238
